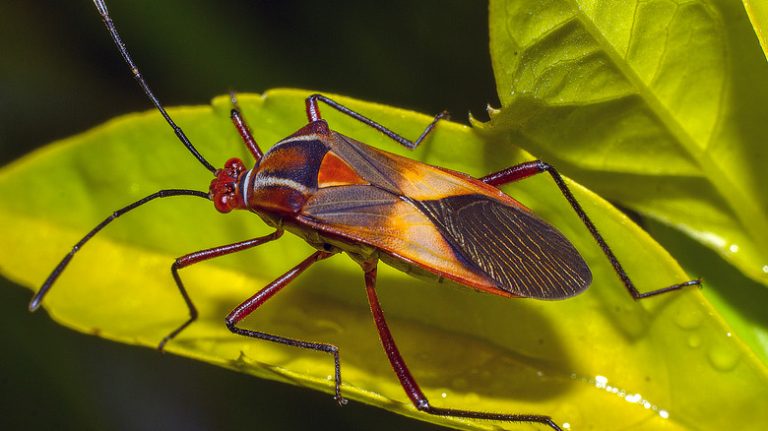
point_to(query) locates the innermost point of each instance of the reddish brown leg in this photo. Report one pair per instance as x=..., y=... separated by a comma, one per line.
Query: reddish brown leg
x=528, y=169
x=199, y=256
x=313, y=114
x=238, y=119
x=409, y=383
x=247, y=307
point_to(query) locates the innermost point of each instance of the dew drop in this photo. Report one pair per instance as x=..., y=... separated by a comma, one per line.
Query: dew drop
x=724, y=357
x=601, y=382
x=694, y=341
x=733, y=248
x=688, y=318
x=765, y=269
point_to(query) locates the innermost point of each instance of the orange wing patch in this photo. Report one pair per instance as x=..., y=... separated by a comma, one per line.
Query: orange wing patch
x=369, y=215
x=336, y=172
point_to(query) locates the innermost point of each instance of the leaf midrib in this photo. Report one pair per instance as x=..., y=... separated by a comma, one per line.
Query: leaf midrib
x=749, y=215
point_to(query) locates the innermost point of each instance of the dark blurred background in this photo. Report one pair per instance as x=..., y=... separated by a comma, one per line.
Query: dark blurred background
x=60, y=74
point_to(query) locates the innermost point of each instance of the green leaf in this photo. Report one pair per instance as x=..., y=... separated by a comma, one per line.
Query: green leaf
x=758, y=15
x=737, y=299
x=597, y=361
x=660, y=106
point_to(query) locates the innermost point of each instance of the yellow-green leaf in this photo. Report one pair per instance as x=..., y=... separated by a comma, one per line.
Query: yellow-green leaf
x=597, y=361
x=738, y=299
x=659, y=105
x=758, y=15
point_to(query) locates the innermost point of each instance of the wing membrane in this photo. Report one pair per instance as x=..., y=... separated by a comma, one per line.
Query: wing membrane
x=522, y=253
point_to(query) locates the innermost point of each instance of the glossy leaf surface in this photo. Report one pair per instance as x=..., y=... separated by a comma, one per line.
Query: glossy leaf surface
x=658, y=105
x=758, y=15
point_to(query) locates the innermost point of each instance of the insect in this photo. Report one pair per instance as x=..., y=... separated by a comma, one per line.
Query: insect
x=343, y=196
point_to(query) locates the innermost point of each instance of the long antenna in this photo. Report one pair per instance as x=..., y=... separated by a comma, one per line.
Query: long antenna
x=102, y=8
x=38, y=298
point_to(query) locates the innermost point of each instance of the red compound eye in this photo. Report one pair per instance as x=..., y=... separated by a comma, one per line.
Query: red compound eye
x=223, y=203
x=234, y=166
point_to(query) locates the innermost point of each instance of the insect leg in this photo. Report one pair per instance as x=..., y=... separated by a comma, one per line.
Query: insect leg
x=199, y=256
x=527, y=169
x=313, y=113
x=238, y=119
x=38, y=298
x=409, y=384
x=251, y=304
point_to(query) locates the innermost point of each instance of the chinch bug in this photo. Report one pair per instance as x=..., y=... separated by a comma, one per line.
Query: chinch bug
x=341, y=195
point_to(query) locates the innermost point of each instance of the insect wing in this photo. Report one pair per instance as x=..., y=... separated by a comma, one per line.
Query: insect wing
x=446, y=223
x=403, y=176
x=523, y=254
x=376, y=217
